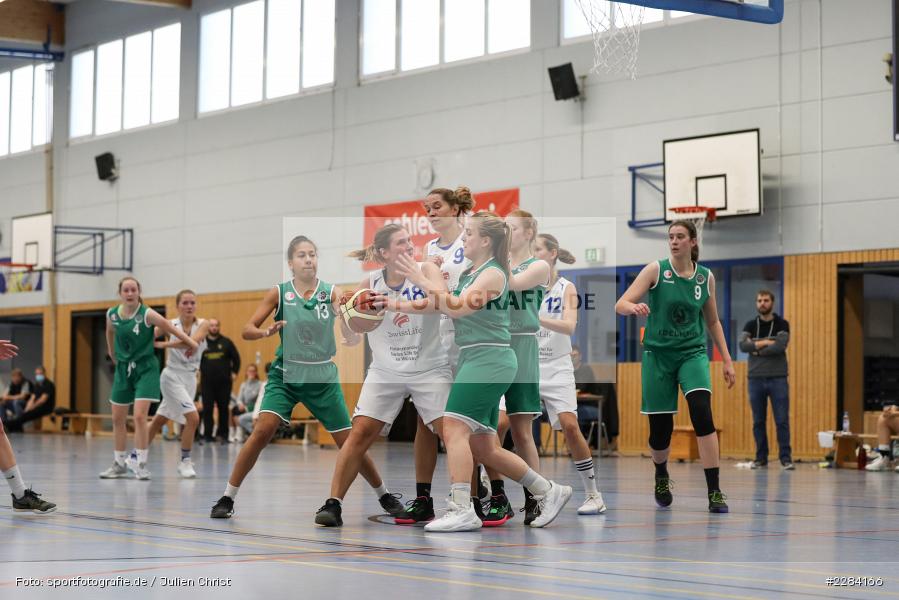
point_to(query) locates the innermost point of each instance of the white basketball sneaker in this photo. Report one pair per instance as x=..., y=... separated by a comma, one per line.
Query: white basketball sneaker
x=881, y=463
x=551, y=504
x=593, y=505
x=186, y=469
x=116, y=471
x=139, y=469
x=456, y=518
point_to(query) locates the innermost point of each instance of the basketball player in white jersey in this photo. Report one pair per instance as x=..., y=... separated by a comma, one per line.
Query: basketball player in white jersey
x=407, y=359
x=447, y=211
x=558, y=320
x=178, y=380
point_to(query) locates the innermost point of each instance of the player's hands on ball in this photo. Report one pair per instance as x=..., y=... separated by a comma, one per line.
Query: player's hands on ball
x=274, y=328
x=378, y=302
x=730, y=375
x=640, y=310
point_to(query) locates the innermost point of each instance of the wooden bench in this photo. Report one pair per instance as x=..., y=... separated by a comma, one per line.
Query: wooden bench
x=684, y=445
x=845, y=447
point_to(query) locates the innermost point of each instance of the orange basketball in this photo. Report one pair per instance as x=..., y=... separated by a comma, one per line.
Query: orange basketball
x=359, y=313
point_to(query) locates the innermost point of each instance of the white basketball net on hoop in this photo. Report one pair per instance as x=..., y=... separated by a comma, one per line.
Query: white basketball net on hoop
x=616, y=35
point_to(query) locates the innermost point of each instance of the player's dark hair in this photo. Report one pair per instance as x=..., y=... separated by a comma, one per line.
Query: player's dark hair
x=691, y=229
x=292, y=246
x=552, y=244
x=768, y=293
x=459, y=198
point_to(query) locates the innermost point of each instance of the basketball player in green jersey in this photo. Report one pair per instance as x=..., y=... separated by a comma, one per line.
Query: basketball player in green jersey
x=528, y=282
x=486, y=368
x=681, y=307
x=129, y=340
x=23, y=499
x=304, y=312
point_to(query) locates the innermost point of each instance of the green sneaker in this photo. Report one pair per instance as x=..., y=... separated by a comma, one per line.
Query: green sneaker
x=499, y=512
x=419, y=510
x=664, y=485
x=717, y=502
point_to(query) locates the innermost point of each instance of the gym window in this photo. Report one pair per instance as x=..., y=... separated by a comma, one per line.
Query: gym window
x=736, y=285
x=575, y=26
x=26, y=108
x=405, y=35
x=126, y=83
x=264, y=50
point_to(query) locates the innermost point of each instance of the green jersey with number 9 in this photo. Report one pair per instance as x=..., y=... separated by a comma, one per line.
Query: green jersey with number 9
x=308, y=336
x=675, y=319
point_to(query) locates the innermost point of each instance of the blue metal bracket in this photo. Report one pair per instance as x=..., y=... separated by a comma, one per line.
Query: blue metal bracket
x=728, y=9
x=637, y=174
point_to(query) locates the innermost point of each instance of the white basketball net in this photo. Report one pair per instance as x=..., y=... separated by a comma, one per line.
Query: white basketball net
x=698, y=217
x=616, y=35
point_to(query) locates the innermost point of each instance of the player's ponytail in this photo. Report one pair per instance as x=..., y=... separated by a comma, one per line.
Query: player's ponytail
x=381, y=242
x=459, y=199
x=691, y=230
x=491, y=226
x=552, y=244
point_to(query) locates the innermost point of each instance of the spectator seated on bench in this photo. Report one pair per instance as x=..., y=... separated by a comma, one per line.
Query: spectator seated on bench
x=40, y=402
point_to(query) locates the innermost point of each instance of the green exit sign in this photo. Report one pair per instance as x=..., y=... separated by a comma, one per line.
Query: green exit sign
x=594, y=255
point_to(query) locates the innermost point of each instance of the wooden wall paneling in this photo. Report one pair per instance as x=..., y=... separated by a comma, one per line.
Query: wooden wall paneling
x=82, y=369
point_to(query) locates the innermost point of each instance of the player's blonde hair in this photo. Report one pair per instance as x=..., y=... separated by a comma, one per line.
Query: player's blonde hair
x=372, y=252
x=552, y=244
x=489, y=225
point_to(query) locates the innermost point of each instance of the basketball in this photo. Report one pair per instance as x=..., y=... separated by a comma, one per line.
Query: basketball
x=359, y=313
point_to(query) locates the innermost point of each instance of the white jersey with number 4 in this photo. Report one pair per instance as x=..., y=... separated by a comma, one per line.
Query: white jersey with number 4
x=555, y=347
x=177, y=357
x=454, y=263
x=405, y=343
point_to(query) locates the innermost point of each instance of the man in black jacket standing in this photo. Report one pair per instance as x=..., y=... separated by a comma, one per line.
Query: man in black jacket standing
x=765, y=339
x=218, y=368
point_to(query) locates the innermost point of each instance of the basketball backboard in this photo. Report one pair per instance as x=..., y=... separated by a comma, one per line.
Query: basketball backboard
x=720, y=171
x=32, y=240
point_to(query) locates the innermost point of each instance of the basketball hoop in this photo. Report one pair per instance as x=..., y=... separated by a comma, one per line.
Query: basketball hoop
x=616, y=35
x=18, y=277
x=698, y=215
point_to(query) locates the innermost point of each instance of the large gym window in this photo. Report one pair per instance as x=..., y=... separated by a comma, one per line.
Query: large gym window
x=574, y=24
x=26, y=108
x=405, y=35
x=126, y=83
x=264, y=50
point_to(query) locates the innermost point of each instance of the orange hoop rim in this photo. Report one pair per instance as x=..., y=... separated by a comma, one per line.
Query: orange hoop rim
x=710, y=213
x=15, y=265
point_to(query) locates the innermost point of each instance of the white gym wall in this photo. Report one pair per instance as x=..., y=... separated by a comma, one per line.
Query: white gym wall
x=206, y=195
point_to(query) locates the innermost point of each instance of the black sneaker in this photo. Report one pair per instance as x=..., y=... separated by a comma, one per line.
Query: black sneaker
x=31, y=502
x=758, y=464
x=223, y=509
x=499, y=512
x=531, y=510
x=418, y=510
x=329, y=514
x=478, y=508
x=717, y=502
x=391, y=503
x=788, y=465
x=663, y=491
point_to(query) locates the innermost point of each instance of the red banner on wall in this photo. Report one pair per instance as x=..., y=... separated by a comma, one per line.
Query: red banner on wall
x=411, y=215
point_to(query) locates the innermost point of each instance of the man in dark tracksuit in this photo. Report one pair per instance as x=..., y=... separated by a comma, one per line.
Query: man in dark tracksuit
x=765, y=339
x=218, y=368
